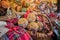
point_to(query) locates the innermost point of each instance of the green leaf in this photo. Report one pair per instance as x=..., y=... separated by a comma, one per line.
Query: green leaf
x=24, y=9
x=27, y=4
x=59, y=23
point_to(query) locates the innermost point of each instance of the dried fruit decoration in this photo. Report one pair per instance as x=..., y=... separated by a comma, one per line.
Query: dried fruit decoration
x=5, y=4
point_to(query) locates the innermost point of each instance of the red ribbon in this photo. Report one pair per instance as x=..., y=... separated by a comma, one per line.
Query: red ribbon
x=40, y=18
x=52, y=15
x=13, y=28
x=12, y=20
x=25, y=15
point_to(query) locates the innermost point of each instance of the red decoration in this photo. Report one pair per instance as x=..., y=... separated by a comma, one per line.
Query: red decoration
x=25, y=16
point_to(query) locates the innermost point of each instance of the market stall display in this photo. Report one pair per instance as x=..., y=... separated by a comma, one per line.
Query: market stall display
x=29, y=19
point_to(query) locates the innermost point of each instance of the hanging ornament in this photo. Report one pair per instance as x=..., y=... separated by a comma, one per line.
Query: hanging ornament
x=5, y=4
